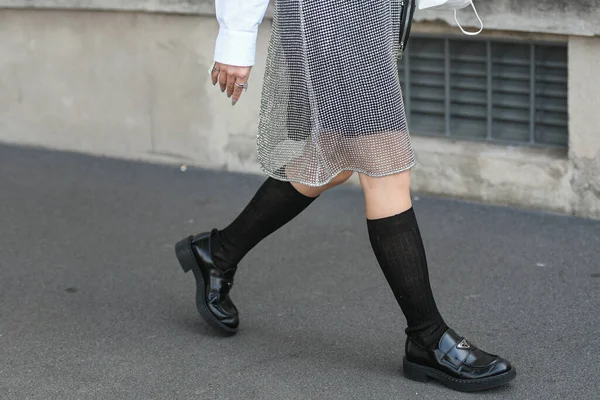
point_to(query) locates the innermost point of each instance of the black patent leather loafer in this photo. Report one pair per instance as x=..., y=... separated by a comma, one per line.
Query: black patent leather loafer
x=456, y=363
x=212, y=284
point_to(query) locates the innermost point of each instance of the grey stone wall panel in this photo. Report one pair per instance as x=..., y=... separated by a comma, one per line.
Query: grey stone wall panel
x=170, y=6
x=134, y=85
x=576, y=17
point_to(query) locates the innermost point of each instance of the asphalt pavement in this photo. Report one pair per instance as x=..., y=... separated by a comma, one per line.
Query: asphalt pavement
x=93, y=304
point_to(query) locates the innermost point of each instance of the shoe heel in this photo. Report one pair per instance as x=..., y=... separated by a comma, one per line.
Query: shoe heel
x=183, y=251
x=413, y=372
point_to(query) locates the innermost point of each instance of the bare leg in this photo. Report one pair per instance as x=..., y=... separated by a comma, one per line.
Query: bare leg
x=311, y=191
x=386, y=196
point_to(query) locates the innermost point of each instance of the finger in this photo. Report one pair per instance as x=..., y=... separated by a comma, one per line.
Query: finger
x=223, y=76
x=237, y=91
x=214, y=75
x=230, y=84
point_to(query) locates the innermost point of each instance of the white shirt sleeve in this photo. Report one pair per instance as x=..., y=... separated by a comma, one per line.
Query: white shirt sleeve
x=238, y=30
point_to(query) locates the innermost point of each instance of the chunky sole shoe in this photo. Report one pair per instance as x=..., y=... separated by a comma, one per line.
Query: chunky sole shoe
x=421, y=373
x=185, y=256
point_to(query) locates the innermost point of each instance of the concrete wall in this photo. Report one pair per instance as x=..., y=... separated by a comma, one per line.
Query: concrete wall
x=202, y=7
x=584, y=124
x=574, y=17
x=134, y=85
x=124, y=84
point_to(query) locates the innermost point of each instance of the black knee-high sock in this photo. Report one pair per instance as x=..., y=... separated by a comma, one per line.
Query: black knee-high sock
x=397, y=244
x=274, y=204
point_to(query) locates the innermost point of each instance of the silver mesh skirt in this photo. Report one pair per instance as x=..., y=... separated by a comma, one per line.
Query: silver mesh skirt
x=331, y=99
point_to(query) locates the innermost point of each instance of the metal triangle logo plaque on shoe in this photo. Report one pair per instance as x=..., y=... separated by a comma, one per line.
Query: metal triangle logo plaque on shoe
x=464, y=344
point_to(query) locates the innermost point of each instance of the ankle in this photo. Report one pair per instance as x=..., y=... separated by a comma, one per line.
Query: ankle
x=428, y=336
x=218, y=251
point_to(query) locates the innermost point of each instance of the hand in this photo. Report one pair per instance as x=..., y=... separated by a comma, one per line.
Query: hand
x=227, y=76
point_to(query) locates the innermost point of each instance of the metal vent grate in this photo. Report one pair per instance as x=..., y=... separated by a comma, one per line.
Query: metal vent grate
x=509, y=92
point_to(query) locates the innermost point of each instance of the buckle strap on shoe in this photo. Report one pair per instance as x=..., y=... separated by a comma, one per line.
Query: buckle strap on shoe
x=464, y=344
x=451, y=340
x=220, y=284
x=455, y=349
x=457, y=356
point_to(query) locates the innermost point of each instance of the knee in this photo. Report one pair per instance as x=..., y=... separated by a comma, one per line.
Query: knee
x=312, y=191
x=395, y=182
x=340, y=178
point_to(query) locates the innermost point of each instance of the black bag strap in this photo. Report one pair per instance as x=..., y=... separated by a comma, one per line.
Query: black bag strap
x=406, y=19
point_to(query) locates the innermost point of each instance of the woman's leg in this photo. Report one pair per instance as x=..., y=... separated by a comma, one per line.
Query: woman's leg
x=274, y=204
x=432, y=349
x=397, y=244
x=213, y=256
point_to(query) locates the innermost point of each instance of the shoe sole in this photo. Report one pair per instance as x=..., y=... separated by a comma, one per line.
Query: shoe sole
x=185, y=256
x=421, y=373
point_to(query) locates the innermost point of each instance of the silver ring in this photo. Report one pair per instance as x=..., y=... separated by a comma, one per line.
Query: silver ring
x=242, y=85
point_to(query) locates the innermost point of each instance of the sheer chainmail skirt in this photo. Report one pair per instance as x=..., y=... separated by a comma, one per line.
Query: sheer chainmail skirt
x=331, y=99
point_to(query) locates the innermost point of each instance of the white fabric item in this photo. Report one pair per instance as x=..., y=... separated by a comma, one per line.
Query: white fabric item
x=238, y=30
x=443, y=5
x=452, y=5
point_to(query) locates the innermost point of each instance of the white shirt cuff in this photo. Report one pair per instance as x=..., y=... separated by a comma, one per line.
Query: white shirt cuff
x=236, y=47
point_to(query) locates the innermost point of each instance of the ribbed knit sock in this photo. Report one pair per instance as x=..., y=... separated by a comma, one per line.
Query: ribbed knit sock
x=274, y=204
x=398, y=246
